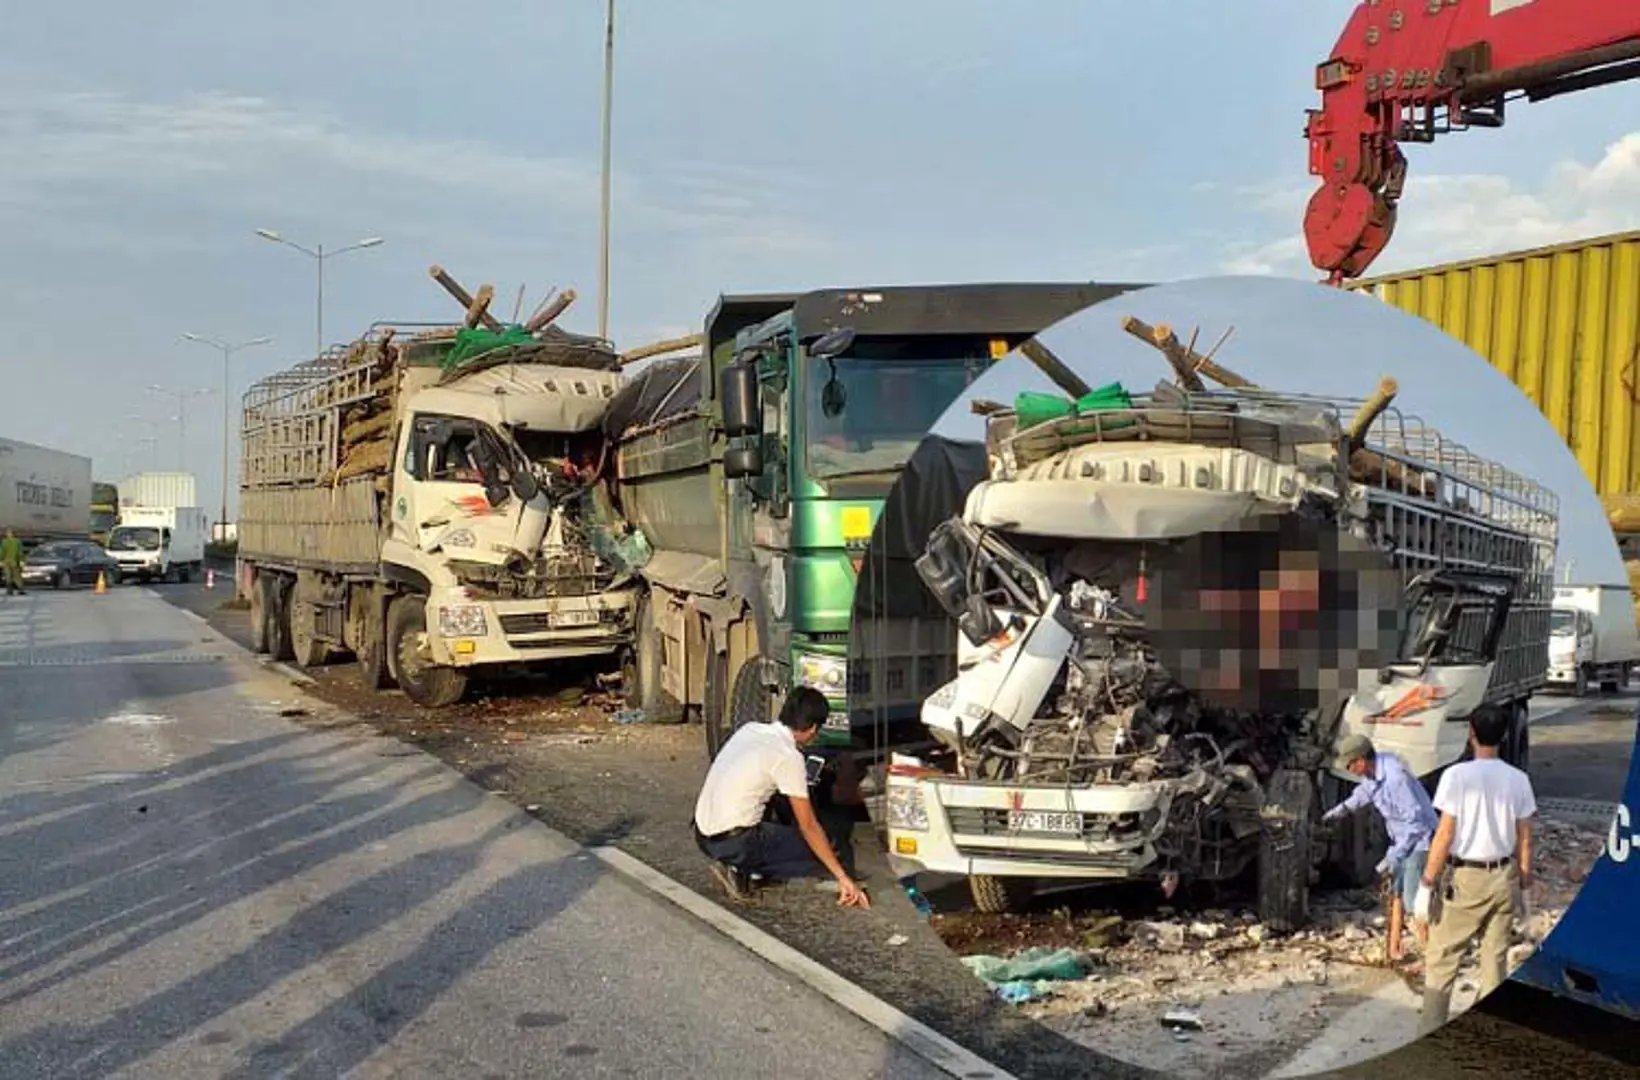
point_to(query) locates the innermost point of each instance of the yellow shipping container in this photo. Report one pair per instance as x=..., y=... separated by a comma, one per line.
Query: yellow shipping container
x=1563, y=323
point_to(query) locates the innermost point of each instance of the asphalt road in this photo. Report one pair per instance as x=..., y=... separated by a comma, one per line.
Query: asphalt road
x=193, y=885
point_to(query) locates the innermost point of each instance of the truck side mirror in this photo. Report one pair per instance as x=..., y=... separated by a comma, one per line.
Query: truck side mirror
x=832, y=343
x=738, y=390
x=740, y=462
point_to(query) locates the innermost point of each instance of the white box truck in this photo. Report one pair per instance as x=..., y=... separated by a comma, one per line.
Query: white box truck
x=159, y=489
x=160, y=543
x=1592, y=638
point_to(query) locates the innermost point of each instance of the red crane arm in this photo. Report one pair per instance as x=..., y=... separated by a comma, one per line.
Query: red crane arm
x=1409, y=70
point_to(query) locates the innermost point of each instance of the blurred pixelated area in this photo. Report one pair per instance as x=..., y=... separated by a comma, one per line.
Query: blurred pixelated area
x=1277, y=616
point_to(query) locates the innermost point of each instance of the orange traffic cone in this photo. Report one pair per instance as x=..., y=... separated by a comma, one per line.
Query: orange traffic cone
x=102, y=586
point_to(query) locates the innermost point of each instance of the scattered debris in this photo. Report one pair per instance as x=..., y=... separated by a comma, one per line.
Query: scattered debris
x=897, y=940
x=1029, y=975
x=292, y=711
x=1177, y=1019
x=630, y=716
x=132, y=719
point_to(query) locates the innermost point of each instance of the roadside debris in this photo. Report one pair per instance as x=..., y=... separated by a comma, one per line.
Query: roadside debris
x=1029, y=975
x=1178, y=1020
x=896, y=940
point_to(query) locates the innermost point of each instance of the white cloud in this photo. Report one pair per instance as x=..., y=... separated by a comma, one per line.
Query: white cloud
x=1444, y=217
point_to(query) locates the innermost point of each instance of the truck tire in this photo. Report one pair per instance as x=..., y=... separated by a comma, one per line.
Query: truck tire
x=1284, y=858
x=427, y=685
x=259, y=614
x=278, y=607
x=648, y=657
x=1000, y=895
x=1609, y=686
x=374, y=670
x=1521, y=752
x=724, y=711
x=1580, y=682
x=306, y=647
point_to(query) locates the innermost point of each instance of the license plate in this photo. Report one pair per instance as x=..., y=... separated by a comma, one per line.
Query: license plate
x=574, y=618
x=1045, y=821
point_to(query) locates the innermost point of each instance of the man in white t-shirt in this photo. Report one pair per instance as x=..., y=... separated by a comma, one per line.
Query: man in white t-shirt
x=1484, y=845
x=732, y=827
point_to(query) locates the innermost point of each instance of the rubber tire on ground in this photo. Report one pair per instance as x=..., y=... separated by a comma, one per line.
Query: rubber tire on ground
x=659, y=707
x=1000, y=895
x=432, y=687
x=374, y=670
x=305, y=647
x=185, y=574
x=259, y=614
x=1522, y=752
x=1580, y=682
x=1608, y=686
x=64, y=580
x=1285, y=838
x=278, y=609
x=112, y=577
x=1360, y=840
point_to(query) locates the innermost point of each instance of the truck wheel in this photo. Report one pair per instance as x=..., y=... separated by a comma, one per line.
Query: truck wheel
x=645, y=690
x=425, y=683
x=1580, y=682
x=1000, y=895
x=1285, y=838
x=278, y=605
x=1608, y=686
x=64, y=580
x=306, y=647
x=259, y=614
x=1522, y=754
x=372, y=654
x=725, y=713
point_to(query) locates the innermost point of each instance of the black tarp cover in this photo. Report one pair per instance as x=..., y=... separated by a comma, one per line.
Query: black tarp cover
x=662, y=389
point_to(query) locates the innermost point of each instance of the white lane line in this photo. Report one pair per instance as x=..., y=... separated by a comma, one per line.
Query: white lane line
x=196, y=616
x=919, y=1038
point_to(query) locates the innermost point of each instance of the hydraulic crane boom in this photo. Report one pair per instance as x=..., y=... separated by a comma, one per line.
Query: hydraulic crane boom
x=1409, y=70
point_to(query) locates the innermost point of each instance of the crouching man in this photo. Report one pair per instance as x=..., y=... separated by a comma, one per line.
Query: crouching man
x=737, y=814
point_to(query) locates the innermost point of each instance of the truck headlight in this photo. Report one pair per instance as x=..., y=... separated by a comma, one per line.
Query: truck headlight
x=906, y=808
x=822, y=673
x=463, y=620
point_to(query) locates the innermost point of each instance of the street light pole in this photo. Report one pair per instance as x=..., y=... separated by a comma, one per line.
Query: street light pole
x=319, y=255
x=182, y=394
x=227, y=351
x=603, y=241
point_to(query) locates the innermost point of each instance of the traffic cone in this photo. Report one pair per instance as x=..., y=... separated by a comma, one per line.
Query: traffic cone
x=102, y=586
x=210, y=578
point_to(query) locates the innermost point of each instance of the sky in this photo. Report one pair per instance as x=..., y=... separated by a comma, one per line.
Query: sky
x=1290, y=335
x=757, y=147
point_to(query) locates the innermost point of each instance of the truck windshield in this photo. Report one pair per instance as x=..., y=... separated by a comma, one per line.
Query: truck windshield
x=103, y=520
x=887, y=406
x=134, y=539
x=1562, y=623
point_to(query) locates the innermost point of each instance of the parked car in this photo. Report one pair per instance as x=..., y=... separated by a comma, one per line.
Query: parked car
x=64, y=563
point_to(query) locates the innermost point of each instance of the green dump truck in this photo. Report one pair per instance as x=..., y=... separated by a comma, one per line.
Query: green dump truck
x=752, y=476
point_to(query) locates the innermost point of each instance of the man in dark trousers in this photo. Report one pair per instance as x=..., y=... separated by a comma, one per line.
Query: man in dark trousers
x=763, y=762
x=1480, y=861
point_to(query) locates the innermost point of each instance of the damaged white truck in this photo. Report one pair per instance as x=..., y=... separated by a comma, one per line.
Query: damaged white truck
x=425, y=499
x=1068, y=752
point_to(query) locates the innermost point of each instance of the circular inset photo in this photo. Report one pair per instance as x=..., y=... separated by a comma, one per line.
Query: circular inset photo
x=1222, y=646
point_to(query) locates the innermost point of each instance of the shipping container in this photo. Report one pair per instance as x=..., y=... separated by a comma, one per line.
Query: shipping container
x=161, y=489
x=44, y=494
x=1563, y=323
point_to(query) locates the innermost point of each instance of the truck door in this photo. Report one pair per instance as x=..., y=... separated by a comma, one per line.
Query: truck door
x=438, y=481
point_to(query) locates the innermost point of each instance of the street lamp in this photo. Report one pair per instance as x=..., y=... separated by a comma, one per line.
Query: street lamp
x=319, y=255
x=603, y=213
x=182, y=394
x=227, y=351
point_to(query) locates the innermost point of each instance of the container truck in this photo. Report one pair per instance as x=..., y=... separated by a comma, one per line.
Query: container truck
x=751, y=477
x=1073, y=748
x=160, y=543
x=1592, y=638
x=44, y=494
x=159, y=489
x=424, y=499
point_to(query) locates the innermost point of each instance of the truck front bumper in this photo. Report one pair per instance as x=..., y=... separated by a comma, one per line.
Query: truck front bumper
x=530, y=631
x=970, y=828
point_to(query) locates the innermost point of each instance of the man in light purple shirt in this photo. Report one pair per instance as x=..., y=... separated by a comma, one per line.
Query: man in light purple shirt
x=1409, y=816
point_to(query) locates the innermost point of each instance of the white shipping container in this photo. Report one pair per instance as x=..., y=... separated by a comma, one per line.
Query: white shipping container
x=44, y=493
x=163, y=489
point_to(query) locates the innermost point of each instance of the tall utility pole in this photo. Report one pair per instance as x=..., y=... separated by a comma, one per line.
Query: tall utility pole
x=182, y=394
x=603, y=217
x=227, y=351
x=319, y=255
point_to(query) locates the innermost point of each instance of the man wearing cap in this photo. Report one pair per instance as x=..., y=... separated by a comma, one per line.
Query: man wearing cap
x=1481, y=860
x=1409, y=816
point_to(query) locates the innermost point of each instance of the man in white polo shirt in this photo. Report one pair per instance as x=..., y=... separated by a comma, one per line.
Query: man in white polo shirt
x=732, y=826
x=1484, y=846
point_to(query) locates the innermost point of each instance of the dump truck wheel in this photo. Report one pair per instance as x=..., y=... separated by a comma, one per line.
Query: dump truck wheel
x=426, y=684
x=1522, y=751
x=259, y=615
x=278, y=607
x=1000, y=895
x=1284, y=862
x=646, y=690
x=714, y=710
x=1580, y=684
x=306, y=647
x=372, y=654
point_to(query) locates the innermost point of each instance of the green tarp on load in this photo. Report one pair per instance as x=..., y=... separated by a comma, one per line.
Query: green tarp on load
x=471, y=344
x=1033, y=408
